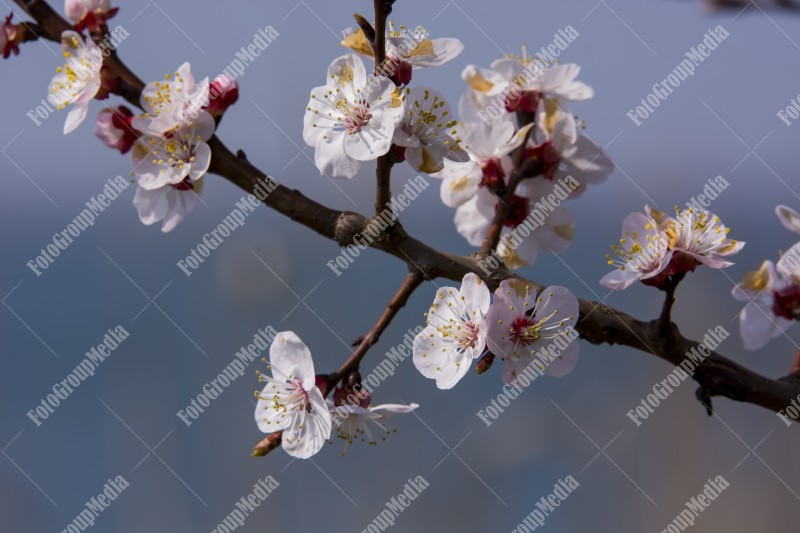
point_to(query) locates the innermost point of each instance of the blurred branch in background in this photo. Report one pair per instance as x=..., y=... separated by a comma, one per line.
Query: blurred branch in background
x=713, y=6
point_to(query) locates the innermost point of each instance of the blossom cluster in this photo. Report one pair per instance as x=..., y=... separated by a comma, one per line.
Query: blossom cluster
x=772, y=292
x=293, y=401
x=522, y=327
x=355, y=118
x=655, y=246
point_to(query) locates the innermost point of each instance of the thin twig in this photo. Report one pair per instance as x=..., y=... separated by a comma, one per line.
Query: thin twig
x=409, y=285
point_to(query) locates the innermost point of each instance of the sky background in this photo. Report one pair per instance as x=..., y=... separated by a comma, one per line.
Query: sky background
x=185, y=330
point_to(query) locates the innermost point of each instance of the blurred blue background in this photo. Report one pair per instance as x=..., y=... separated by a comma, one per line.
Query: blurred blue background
x=123, y=420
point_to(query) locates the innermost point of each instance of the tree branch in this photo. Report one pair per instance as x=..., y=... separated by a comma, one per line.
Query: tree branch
x=495, y=230
x=598, y=322
x=383, y=171
x=410, y=283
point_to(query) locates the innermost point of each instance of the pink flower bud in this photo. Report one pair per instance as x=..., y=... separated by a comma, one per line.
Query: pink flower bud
x=10, y=37
x=89, y=13
x=114, y=129
x=223, y=92
x=321, y=381
x=355, y=396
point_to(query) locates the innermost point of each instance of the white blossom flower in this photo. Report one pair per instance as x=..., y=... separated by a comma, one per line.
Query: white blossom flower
x=291, y=400
x=405, y=50
x=524, y=329
x=97, y=11
x=702, y=236
x=525, y=234
x=455, y=334
x=427, y=131
x=113, y=128
x=170, y=203
x=643, y=252
x=353, y=421
x=519, y=83
x=350, y=119
x=223, y=92
x=561, y=151
x=172, y=103
x=773, y=300
x=553, y=80
x=160, y=161
x=487, y=146
x=79, y=80
x=169, y=171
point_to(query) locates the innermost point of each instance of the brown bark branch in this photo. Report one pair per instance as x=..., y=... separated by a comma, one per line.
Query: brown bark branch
x=410, y=283
x=495, y=230
x=383, y=171
x=598, y=322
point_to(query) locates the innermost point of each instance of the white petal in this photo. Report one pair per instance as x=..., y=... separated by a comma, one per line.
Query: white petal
x=757, y=325
x=198, y=168
x=461, y=182
x=387, y=409
x=309, y=431
x=290, y=358
x=565, y=361
x=473, y=218
x=331, y=159
x=75, y=116
x=203, y=126
x=268, y=417
x=788, y=217
x=181, y=203
x=619, y=279
x=475, y=293
x=484, y=81
x=557, y=298
x=152, y=205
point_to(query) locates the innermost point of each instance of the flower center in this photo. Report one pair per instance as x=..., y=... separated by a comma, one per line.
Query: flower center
x=493, y=173
x=469, y=336
x=517, y=211
x=299, y=395
x=357, y=117
x=186, y=185
x=524, y=331
x=547, y=159
x=787, y=303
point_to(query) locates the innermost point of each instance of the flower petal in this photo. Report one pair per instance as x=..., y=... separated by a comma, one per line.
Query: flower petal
x=290, y=358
